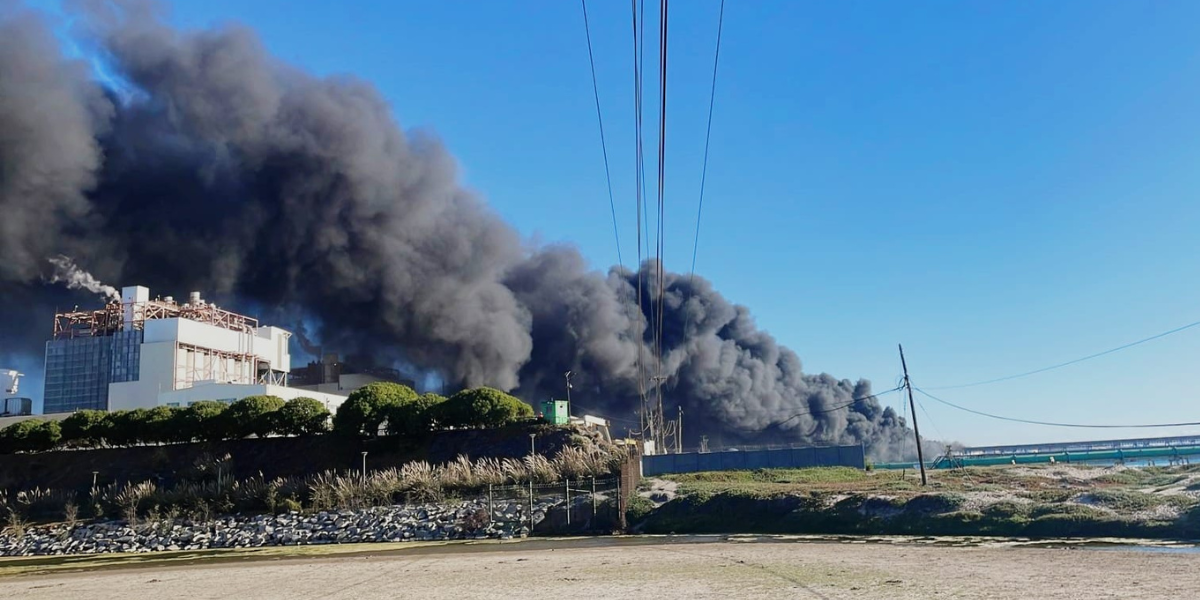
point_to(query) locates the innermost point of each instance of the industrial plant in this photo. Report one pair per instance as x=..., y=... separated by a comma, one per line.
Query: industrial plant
x=138, y=352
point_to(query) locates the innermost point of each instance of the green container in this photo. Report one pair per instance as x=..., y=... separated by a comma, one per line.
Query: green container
x=556, y=412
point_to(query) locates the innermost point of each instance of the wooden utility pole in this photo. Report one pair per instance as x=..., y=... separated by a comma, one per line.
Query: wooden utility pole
x=913, y=408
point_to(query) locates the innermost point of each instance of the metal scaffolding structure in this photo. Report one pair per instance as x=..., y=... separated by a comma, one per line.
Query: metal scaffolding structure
x=208, y=364
x=110, y=319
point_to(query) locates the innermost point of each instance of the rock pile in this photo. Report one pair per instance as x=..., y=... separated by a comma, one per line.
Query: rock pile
x=466, y=520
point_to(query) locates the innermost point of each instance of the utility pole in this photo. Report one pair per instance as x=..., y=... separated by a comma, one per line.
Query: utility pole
x=568, y=376
x=679, y=433
x=912, y=406
x=658, y=419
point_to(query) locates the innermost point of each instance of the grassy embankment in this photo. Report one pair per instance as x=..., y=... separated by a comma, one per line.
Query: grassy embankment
x=1044, y=501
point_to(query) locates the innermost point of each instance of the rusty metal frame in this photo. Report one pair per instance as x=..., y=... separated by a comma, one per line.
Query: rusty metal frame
x=213, y=367
x=109, y=320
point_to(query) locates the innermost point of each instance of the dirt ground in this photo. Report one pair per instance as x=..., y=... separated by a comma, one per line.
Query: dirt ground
x=721, y=569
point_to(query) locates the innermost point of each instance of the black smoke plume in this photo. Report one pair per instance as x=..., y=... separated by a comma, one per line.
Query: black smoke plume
x=213, y=166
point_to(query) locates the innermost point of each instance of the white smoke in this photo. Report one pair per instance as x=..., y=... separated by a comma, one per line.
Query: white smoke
x=75, y=278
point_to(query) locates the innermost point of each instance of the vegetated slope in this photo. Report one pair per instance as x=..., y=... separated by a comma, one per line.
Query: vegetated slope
x=270, y=457
x=1033, y=502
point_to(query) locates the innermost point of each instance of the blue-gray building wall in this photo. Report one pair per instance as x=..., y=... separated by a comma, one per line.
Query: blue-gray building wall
x=78, y=370
x=733, y=460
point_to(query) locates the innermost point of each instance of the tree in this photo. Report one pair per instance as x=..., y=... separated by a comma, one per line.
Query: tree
x=126, y=427
x=252, y=415
x=367, y=407
x=415, y=417
x=482, y=407
x=158, y=426
x=31, y=435
x=87, y=428
x=203, y=421
x=302, y=416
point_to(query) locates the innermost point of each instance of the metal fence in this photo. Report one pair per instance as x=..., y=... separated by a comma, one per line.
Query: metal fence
x=734, y=460
x=573, y=505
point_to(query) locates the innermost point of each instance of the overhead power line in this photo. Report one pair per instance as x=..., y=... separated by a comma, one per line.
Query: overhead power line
x=852, y=402
x=1068, y=363
x=660, y=304
x=712, y=95
x=1052, y=424
x=642, y=200
x=587, y=30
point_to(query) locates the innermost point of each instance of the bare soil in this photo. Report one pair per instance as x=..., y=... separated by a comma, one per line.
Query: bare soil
x=719, y=569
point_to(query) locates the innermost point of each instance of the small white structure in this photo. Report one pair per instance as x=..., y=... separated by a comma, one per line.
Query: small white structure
x=8, y=382
x=10, y=403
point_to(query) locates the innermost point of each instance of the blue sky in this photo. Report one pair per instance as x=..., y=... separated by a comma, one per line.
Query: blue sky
x=998, y=186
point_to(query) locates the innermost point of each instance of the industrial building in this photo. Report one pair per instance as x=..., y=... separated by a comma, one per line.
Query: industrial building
x=331, y=375
x=141, y=353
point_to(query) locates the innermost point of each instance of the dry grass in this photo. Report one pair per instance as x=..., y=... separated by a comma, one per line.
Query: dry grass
x=209, y=493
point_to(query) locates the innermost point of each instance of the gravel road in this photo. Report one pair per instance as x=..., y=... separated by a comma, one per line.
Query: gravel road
x=567, y=569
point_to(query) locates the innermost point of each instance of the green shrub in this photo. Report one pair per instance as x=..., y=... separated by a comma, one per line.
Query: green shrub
x=85, y=428
x=252, y=415
x=1126, y=477
x=483, y=407
x=367, y=407
x=1072, y=525
x=125, y=426
x=1006, y=510
x=158, y=426
x=933, y=503
x=1125, y=501
x=415, y=417
x=637, y=509
x=302, y=416
x=204, y=421
x=1066, y=509
x=30, y=435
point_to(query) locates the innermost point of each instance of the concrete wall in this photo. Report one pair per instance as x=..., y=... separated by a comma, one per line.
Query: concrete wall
x=732, y=460
x=227, y=392
x=267, y=343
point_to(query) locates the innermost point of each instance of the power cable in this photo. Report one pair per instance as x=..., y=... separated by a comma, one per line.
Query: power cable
x=1070, y=362
x=587, y=30
x=712, y=95
x=834, y=409
x=1051, y=424
x=640, y=73
x=929, y=419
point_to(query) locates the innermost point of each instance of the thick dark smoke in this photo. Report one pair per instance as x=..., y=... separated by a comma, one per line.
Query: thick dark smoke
x=218, y=168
